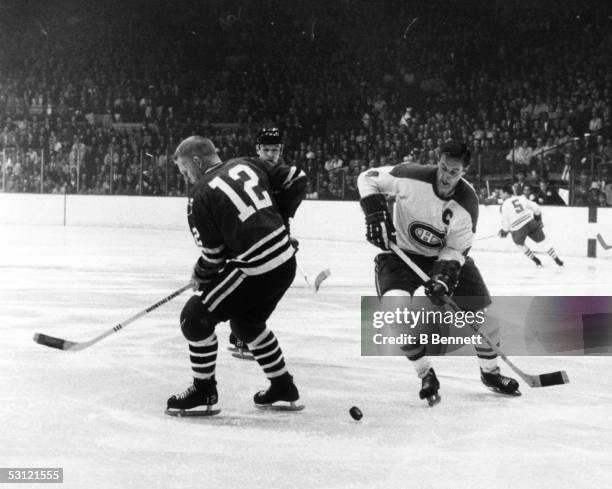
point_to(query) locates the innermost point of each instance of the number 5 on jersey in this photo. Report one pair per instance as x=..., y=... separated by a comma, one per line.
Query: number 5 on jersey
x=253, y=192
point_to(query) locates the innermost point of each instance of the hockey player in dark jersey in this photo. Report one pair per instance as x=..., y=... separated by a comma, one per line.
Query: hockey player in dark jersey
x=238, y=213
x=269, y=147
x=434, y=221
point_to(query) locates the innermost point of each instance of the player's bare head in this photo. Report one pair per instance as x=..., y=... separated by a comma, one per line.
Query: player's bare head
x=196, y=146
x=452, y=164
x=269, y=144
x=193, y=155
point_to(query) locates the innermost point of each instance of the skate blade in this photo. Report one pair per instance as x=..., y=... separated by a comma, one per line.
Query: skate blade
x=180, y=413
x=243, y=355
x=433, y=400
x=516, y=393
x=280, y=407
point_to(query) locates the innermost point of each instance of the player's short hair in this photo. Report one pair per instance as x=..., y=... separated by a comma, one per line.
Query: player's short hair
x=457, y=150
x=269, y=135
x=196, y=146
x=508, y=189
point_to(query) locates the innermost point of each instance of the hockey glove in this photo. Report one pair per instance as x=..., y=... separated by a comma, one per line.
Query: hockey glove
x=443, y=280
x=502, y=233
x=202, y=275
x=379, y=225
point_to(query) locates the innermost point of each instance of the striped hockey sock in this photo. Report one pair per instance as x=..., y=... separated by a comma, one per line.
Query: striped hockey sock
x=268, y=353
x=528, y=253
x=203, y=356
x=552, y=253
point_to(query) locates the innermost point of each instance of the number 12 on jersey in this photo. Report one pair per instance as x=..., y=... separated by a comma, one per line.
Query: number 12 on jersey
x=259, y=198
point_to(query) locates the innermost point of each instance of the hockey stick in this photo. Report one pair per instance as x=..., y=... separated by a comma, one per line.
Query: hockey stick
x=61, y=344
x=603, y=244
x=318, y=280
x=487, y=237
x=541, y=380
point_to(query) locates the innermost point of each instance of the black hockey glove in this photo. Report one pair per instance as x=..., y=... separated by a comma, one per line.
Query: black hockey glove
x=295, y=243
x=202, y=275
x=443, y=280
x=502, y=233
x=380, y=230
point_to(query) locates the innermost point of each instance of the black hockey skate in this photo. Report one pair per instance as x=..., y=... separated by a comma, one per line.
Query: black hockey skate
x=239, y=348
x=537, y=261
x=200, y=399
x=282, y=395
x=558, y=261
x=500, y=383
x=429, y=388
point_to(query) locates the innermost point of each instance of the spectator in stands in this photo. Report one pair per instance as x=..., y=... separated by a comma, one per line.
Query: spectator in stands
x=582, y=190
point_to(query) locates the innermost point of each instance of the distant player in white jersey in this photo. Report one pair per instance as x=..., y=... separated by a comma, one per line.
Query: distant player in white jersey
x=434, y=221
x=523, y=219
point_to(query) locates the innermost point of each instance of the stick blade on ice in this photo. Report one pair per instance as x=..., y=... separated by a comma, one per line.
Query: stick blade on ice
x=321, y=277
x=554, y=378
x=51, y=341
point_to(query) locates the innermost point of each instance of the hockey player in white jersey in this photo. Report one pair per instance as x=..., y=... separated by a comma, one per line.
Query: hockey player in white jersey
x=434, y=221
x=523, y=219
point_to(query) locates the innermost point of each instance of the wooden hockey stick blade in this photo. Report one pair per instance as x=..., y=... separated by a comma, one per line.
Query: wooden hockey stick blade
x=53, y=342
x=603, y=244
x=66, y=345
x=321, y=277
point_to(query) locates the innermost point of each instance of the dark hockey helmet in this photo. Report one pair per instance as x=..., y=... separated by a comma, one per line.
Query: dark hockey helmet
x=269, y=135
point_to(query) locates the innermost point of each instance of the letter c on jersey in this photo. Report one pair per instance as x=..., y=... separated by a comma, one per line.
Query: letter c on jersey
x=446, y=216
x=426, y=235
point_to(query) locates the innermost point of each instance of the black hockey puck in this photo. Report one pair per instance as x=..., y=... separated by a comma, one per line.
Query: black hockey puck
x=355, y=413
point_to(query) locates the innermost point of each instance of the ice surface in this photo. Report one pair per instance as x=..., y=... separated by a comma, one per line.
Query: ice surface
x=99, y=413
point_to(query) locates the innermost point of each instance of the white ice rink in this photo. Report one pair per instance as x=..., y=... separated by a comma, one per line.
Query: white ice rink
x=99, y=414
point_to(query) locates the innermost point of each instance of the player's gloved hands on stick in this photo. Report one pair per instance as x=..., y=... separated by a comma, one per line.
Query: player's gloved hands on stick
x=442, y=282
x=202, y=275
x=502, y=233
x=379, y=224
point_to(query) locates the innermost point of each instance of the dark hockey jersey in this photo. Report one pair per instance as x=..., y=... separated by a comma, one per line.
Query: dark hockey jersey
x=239, y=211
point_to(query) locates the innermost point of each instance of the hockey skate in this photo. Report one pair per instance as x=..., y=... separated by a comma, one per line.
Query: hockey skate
x=429, y=388
x=537, y=261
x=558, y=261
x=500, y=383
x=239, y=348
x=200, y=399
x=282, y=395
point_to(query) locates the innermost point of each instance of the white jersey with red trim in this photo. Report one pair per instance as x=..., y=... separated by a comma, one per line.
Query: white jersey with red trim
x=517, y=211
x=426, y=223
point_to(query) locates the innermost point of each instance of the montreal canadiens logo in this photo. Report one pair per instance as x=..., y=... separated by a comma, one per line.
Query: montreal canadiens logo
x=426, y=235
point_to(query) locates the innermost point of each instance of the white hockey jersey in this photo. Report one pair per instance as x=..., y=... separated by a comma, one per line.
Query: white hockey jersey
x=426, y=223
x=517, y=211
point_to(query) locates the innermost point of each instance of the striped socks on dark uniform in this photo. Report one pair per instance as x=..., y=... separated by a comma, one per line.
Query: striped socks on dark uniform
x=203, y=356
x=268, y=353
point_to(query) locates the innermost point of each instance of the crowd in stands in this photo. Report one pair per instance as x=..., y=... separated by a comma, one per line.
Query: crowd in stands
x=94, y=101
